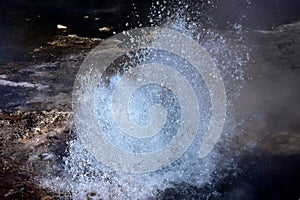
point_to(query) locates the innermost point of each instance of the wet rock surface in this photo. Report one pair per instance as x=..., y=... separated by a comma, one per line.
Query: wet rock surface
x=45, y=81
x=35, y=115
x=36, y=121
x=31, y=145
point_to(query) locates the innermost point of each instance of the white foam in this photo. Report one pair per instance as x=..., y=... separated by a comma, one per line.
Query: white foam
x=23, y=84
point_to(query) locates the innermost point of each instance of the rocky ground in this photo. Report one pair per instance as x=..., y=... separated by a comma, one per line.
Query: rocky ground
x=36, y=118
x=45, y=81
x=35, y=115
x=32, y=144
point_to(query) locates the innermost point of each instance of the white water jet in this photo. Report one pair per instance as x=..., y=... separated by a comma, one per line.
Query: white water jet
x=84, y=176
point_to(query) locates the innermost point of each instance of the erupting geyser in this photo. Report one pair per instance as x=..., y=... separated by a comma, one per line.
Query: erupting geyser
x=149, y=106
x=166, y=74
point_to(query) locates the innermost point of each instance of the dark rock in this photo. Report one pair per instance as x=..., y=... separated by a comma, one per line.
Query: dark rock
x=45, y=82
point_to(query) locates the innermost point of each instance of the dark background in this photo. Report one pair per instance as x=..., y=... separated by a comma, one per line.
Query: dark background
x=25, y=24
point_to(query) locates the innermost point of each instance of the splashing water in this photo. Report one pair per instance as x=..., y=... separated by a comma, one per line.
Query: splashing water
x=85, y=177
